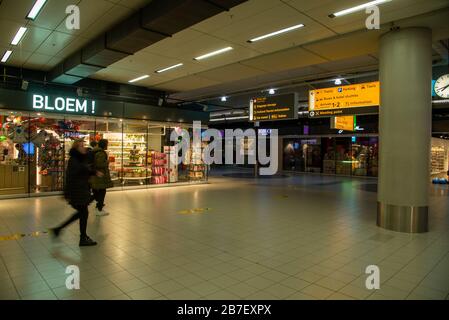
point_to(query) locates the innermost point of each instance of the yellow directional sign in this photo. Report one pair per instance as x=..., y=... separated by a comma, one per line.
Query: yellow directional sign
x=343, y=123
x=342, y=100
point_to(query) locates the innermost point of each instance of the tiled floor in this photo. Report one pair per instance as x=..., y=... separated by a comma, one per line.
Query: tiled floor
x=302, y=237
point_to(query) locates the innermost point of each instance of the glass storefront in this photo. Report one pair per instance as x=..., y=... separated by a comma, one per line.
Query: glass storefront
x=34, y=151
x=350, y=156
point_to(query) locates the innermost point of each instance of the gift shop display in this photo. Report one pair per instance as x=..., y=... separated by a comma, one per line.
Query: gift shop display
x=172, y=163
x=196, y=166
x=159, y=168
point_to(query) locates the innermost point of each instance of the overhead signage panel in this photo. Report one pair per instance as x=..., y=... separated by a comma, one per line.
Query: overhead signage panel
x=346, y=123
x=274, y=108
x=353, y=99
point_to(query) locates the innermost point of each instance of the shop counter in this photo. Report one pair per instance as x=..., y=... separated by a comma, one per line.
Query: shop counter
x=13, y=179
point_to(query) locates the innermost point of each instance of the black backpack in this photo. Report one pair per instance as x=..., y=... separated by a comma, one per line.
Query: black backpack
x=91, y=159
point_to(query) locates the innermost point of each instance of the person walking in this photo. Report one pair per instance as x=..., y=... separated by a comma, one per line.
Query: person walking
x=90, y=162
x=77, y=191
x=100, y=184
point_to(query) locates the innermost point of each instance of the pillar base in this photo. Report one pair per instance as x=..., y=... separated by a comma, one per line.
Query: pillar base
x=407, y=219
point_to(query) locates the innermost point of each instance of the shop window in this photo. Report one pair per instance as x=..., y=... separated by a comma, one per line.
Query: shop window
x=136, y=168
x=162, y=171
x=328, y=147
x=293, y=156
x=373, y=159
x=17, y=152
x=111, y=129
x=343, y=156
x=311, y=150
x=361, y=155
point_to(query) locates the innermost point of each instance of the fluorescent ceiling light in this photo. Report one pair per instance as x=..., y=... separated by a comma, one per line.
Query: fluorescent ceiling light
x=169, y=68
x=139, y=78
x=211, y=54
x=357, y=8
x=277, y=33
x=6, y=56
x=36, y=9
x=18, y=36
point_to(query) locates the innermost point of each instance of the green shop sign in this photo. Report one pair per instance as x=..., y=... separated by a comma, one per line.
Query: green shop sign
x=65, y=105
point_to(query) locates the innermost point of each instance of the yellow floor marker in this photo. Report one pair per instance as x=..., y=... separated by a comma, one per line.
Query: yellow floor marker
x=195, y=211
x=19, y=236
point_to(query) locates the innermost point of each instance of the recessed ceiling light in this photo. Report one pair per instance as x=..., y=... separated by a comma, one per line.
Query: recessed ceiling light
x=36, y=9
x=6, y=56
x=337, y=81
x=169, y=68
x=224, y=99
x=277, y=33
x=19, y=35
x=357, y=8
x=139, y=78
x=271, y=91
x=214, y=53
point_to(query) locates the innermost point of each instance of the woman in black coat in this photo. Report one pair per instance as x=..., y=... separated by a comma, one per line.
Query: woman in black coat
x=77, y=191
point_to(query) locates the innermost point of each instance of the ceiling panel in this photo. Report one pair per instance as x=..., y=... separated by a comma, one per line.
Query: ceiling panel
x=231, y=72
x=186, y=83
x=201, y=44
x=34, y=37
x=123, y=76
x=145, y=63
x=390, y=11
x=105, y=20
x=53, y=13
x=354, y=62
x=37, y=61
x=8, y=30
x=287, y=59
x=133, y=4
x=278, y=17
x=237, y=14
x=239, y=53
x=72, y=46
x=55, y=43
x=15, y=9
x=116, y=74
x=178, y=40
x=437, y=21
x=18, y=56
x=53, y=62
x=89, y=14
x=346, y=46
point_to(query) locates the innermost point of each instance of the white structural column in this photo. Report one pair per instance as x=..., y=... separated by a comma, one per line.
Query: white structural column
x=405, y=129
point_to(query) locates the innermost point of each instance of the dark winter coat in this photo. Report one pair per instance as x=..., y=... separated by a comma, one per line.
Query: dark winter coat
x=76, y=189
x=101, y=163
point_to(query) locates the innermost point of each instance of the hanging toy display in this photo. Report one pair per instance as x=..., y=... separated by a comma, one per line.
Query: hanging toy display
x=50, y=154
x=39, y=138
x=17, y=121
x=18, y=135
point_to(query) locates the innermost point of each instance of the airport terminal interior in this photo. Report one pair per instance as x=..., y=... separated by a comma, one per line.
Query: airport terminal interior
x=248, y=149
